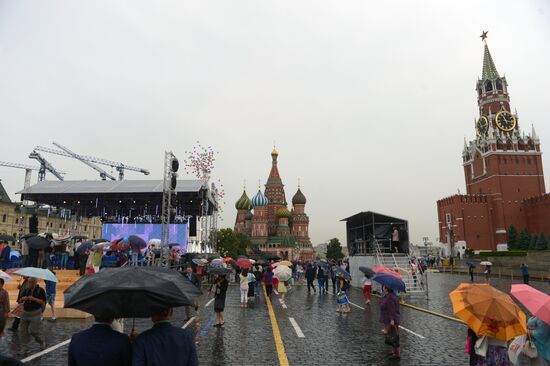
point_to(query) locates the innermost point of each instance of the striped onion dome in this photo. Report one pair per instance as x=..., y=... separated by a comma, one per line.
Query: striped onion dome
x=299, y=198
x=283, y=212
x=259, y=199
x=243, y=203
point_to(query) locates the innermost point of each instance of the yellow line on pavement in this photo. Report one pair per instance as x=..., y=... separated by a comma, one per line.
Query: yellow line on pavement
x=428, y=311
x=283, y=360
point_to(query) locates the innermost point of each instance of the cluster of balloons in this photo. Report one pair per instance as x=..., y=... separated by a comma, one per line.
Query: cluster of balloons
x=200, y=163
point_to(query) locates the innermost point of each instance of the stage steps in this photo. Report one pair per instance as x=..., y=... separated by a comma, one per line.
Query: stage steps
x=65, y=279
x=402, y=260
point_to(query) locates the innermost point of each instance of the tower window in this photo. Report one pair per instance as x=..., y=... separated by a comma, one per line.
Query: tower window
x=499, y=84
x=488, y=86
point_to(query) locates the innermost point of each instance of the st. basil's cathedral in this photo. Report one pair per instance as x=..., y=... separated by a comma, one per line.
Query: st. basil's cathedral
x=268, y=223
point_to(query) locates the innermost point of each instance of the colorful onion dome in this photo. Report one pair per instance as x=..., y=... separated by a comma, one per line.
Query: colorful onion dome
x=248, y=216
x=259, y=199
x=283, y=212
x=243, y=203
x=299, y=198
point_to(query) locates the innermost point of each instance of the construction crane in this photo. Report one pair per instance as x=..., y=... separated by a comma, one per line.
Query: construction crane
x=102, y=173
x=44, y=165
x=120, y=167
x=27, y=168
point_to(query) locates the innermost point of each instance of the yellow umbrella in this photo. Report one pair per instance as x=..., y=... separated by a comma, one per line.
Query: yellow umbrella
x=286, y=263
x=488, y=311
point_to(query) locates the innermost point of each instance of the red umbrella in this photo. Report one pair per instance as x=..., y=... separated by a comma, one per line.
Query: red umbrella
x=244, y=263
x=386, y=270
x=537, y=302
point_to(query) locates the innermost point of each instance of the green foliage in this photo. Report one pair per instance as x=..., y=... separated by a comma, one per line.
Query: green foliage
x=533, y=242
x=334, y=250
x=524, y=239
x=541, y=243
x=231, y=244
x=510, y=253
x=468, y=252
x=513, y=238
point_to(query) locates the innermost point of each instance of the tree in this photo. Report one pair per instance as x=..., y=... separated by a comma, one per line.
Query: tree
x=541, y=242
x=231, y=244
x=513, y=238
x=334, y=250
x=524, y=239
x=533, y=242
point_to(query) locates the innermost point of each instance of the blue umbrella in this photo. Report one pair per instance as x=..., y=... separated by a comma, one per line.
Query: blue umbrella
x=15, y=254
x=541, y=333
x=471, y=264
x=342, y=273
x=44, y=274
x=390, y=282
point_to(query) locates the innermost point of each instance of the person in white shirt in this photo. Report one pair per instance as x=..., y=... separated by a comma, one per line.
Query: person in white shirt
x=395, y=240
x=367, y=289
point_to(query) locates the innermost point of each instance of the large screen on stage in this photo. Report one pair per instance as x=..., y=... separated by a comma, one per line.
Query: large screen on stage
x=178, y=232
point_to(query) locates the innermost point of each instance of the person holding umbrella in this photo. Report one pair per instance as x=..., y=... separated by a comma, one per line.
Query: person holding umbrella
x=367, y=289
x=243, y=286
x=390, y=317
x=194, y=279
x=34, y=300
x=220, y=290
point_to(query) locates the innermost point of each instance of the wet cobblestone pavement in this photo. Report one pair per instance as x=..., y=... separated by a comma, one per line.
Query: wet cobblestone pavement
x=328, y=337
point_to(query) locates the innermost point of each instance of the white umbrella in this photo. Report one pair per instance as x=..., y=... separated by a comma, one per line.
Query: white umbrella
x=486, y=263
x=6, y=277
x=103, y=245
x=44, y=274
x=154, y=242
x=282, y=272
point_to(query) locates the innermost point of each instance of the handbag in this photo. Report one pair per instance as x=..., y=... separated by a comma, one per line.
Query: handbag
x=392, y=338
x=481, y=346
x=18, y=311
x=529, y=348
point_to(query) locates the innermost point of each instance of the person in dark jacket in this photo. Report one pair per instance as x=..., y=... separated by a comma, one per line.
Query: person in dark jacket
x=268, y=281
x=220, y=290
x=390, y=317
x=100, y=345
x=310, y=277
x=195, y=280
x=164, y=344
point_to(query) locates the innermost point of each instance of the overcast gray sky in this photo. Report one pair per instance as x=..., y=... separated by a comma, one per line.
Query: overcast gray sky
x=368, y=101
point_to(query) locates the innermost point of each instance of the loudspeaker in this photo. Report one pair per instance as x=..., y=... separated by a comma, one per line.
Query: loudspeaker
x=33, y=224
x=193, y=226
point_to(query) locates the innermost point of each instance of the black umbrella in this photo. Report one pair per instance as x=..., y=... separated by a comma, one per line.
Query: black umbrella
x=368, y=271
x=87, y=245
x=38, y=242
x=130, y=292
x=6, y=237
x=219, y=271
x=272, y=258
x=136, y=242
